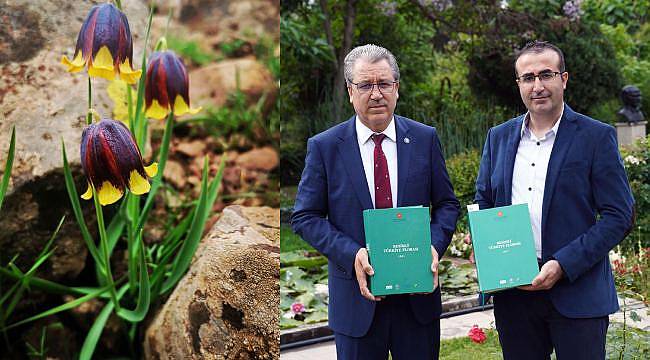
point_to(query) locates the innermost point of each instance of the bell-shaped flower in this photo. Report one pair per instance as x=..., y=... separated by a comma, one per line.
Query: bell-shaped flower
x=105, y=45
x=112, y=162
x=166, y=86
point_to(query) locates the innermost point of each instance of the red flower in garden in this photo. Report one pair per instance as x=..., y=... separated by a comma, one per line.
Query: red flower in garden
x=477, y=335
x=297, y=308
x=112, y=162
x=166, y=86
x=105, y=45
x=619, y=267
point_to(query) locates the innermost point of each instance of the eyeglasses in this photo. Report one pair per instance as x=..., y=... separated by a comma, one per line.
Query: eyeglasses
x=384, y=87
x=544, y=76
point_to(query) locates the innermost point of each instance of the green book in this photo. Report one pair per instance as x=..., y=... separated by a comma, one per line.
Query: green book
x=399, y=247
x=504, y=248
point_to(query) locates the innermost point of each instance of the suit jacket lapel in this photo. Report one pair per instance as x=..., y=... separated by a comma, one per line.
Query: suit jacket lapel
x=349, y=153
x=403, y=155
x=563, y=140
x=511, y=150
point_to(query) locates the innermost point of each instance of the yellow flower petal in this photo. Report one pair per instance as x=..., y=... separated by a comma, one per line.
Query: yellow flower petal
x=128, y=74
x=88, y=194
x=151, y=170
x=77, y=64
x=117, y=92
x=102, y=64
x=108, y=193
x=181, y=107
x=137, y=184
x=156, y=111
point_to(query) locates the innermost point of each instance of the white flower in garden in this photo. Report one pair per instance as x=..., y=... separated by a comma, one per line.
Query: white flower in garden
x=616, y=256
x=288, y=315
x=320, y=290
x=633, y=160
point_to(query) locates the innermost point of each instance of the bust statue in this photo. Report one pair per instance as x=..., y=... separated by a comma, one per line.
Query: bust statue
x=631, y=111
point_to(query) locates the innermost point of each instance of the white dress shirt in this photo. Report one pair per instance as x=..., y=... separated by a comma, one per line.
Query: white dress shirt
x=367, y=150
x=529, y=174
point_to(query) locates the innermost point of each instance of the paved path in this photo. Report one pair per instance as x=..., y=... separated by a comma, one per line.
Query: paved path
x=455, y=327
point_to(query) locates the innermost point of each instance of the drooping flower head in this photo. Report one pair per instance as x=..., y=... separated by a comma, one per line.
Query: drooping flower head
x=166, y=86
x=105, y=45
x=112, y=162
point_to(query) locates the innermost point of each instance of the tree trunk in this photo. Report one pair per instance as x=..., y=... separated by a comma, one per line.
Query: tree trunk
x=338, y=93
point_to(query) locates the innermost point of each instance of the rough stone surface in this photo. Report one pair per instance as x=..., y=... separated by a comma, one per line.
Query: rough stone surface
x=211, y=84
x=265, y=159
x=226, y=307
x=46, y=105
x=226, y=20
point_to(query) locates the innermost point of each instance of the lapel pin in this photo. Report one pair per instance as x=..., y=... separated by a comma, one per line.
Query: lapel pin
x=407, y=140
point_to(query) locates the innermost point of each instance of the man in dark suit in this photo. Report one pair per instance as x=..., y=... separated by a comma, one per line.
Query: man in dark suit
x=374, y=160
x=567, y=168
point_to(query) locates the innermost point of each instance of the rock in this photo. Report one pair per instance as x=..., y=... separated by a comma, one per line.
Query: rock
x=226, y=306
x=265, y=159
x=227, y=20
x=47, y=105
x=175, y=173
x=211, y=84
x=192, y=149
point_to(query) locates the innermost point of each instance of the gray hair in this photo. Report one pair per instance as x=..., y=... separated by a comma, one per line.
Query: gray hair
x=373, y=54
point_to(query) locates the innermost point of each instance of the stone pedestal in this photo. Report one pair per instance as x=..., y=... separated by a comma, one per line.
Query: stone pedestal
x=628, y=133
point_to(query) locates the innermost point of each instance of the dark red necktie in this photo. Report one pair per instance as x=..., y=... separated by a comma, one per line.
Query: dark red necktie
x=383, y=197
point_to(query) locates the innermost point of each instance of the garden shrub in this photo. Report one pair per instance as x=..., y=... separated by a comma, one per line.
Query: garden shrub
x=590, y=59
x=636, y=160
x=463, y=169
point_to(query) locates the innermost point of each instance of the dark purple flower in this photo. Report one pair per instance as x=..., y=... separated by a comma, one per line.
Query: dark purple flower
x=166, y=86
x=112, y=162
x=105, y=45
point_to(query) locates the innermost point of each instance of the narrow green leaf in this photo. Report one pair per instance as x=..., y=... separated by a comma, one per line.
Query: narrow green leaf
x=10, y=161
x=76, y=207
x=157, y=180
x=144, y=295
x=95, y=331
x=206, y=200
x=60, y=308
x=115, y=228
x=103, y=241
x=184, y=257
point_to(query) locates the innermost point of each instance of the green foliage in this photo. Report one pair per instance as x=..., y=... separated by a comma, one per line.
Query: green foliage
x=289, y=241
x=636, y=160
x=191, y=50
x=627, y=342
x=633, y=53
x=630, y=13
x=462, y=348
x=237, y=116
x=304, y=284
x=232, y=48
x=4, y=183
x=590, y=60
x=463, y=170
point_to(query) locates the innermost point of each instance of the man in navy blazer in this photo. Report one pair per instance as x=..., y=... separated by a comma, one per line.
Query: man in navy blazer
x=401, y=161
x=567, y=167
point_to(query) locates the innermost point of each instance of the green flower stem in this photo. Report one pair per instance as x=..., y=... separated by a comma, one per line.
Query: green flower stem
x=129, y=106
x=118, y=3
x=162, y=160
x=161, y=45
x=89, y=116
x=132, y=208
x=103, y=239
